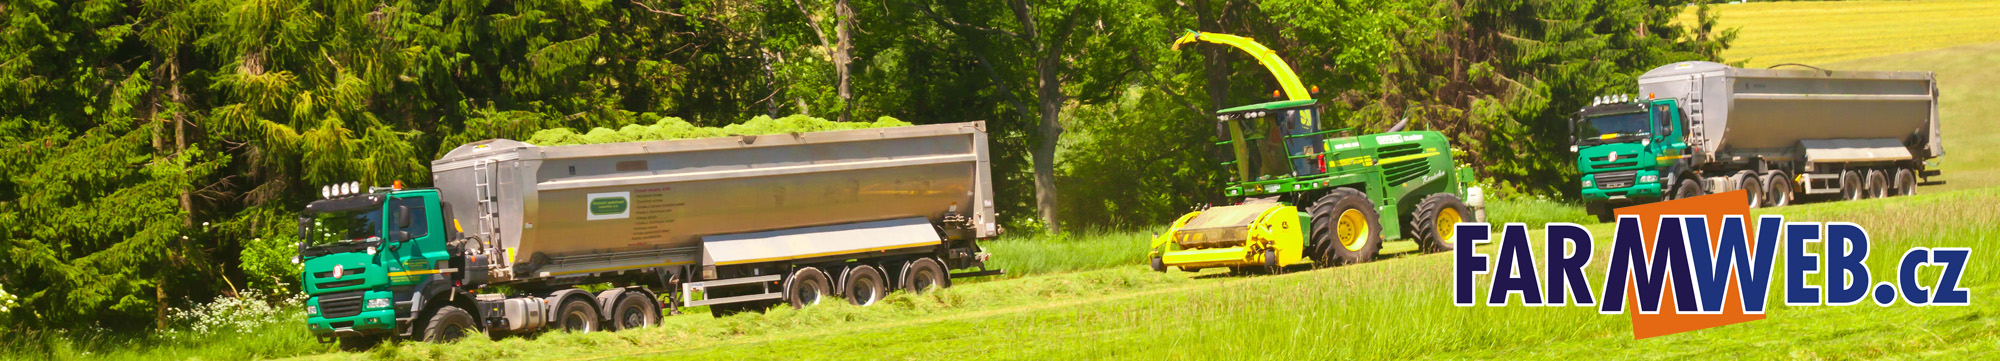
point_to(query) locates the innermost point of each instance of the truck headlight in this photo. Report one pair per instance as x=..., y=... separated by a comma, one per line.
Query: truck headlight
x=1649, y=178
x=312, y=310
x=1586, y=182
x=377, y=303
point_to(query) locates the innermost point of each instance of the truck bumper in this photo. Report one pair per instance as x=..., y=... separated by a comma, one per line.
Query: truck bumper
x=363, y=324
x=1638, y=192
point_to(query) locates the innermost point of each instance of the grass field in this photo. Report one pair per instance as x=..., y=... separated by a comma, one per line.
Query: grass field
x=1085, y=296
x=1819, y=33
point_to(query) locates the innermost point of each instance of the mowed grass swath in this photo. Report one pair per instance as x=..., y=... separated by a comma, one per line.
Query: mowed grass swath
x=1820, y=33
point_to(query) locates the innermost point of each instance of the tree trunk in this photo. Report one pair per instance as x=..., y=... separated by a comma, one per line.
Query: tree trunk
x=842, y=58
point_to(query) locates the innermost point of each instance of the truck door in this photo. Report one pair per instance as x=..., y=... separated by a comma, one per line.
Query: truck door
x=1668, y=127
x=416, y=238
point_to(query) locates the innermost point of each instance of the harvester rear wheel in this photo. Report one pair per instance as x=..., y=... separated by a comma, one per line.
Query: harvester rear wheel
x=1906, y=182
x=1437, y=216
x=1878, y=184
x=1777, y=189
x=1345, y=228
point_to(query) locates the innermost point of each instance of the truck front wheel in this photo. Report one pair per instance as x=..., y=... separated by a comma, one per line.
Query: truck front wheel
x=1345, y=228
x=1437, y=216
x=450, y=323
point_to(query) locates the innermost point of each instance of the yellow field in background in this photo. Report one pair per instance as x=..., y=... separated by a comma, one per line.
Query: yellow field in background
x=1824, y=32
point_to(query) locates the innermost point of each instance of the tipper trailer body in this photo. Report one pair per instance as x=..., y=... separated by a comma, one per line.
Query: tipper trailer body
x=732, y=223
x=1701, y=127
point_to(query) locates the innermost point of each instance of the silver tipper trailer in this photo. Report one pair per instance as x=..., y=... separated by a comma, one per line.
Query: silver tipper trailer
x=735, y=223
x=1777, y=131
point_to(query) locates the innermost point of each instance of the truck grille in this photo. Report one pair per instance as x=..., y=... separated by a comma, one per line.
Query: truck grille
x=1615, y=180
x=340, y=304
x=339, y=284
x=1629, y=160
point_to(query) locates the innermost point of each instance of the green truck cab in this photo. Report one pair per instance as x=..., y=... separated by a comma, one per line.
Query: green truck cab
x=366, y=255
x=1627, y=152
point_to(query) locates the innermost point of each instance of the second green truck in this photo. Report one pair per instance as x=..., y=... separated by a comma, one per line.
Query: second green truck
x=1699, y=128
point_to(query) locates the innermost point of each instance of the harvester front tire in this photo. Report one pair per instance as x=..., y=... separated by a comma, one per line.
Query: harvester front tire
x=450, y=323
x=1777, y=189
x=1438, y=216
x=1338, y=213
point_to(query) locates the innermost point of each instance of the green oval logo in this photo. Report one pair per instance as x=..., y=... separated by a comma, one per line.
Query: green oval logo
x=607, y=206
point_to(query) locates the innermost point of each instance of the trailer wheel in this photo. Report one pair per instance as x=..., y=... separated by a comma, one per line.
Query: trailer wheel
x=1346, y=228
x=1752, y=188
x=806, y=287
x=863, y=285
x=924, y=273
x=450, y=323
x=1159, y=265
x=1906, y=182
x=1878, y=184
x=1437, y=217
x=1689, y=188
x=577, y=315
x=1271, y=262
x=634, y=310
x=1850, y=185
x=1777, y=189
x=359, y=343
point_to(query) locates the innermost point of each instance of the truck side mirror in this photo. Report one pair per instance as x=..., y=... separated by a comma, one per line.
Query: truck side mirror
x=305, y=225
x=400, y=236
x=402, y=216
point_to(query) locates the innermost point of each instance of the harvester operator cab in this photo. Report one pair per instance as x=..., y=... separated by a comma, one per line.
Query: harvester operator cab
x=1275, y=140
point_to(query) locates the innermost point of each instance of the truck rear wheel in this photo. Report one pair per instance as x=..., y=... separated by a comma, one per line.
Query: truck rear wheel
x=924, y=273
x=1753, y=189
x=1777, y=189
x=1437, y=217
x=450, y=323
x=1850, y=185
x=1346, y=228
x=634, y=310
x=1878, y=184
x=1906, y=182
x=576, y=315
x=863, y=285
x=806, y=287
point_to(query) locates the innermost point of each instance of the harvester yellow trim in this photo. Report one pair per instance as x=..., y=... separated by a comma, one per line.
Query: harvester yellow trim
x=1294, y=90
x=1275, y=228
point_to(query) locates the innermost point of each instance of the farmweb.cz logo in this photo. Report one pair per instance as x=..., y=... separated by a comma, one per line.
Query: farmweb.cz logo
x=1696, y=263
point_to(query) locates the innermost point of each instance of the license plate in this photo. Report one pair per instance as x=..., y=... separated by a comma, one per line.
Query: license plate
x=1617, y=185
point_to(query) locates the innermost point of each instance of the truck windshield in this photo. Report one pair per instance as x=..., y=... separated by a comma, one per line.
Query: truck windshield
x=343, y=226
x=1261, y=152
x=1601, y=129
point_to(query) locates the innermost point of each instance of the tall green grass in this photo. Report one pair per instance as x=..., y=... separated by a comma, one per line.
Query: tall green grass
x=1034, y=254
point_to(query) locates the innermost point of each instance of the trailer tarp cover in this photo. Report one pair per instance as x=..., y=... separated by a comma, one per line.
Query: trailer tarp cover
x=809, y=242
